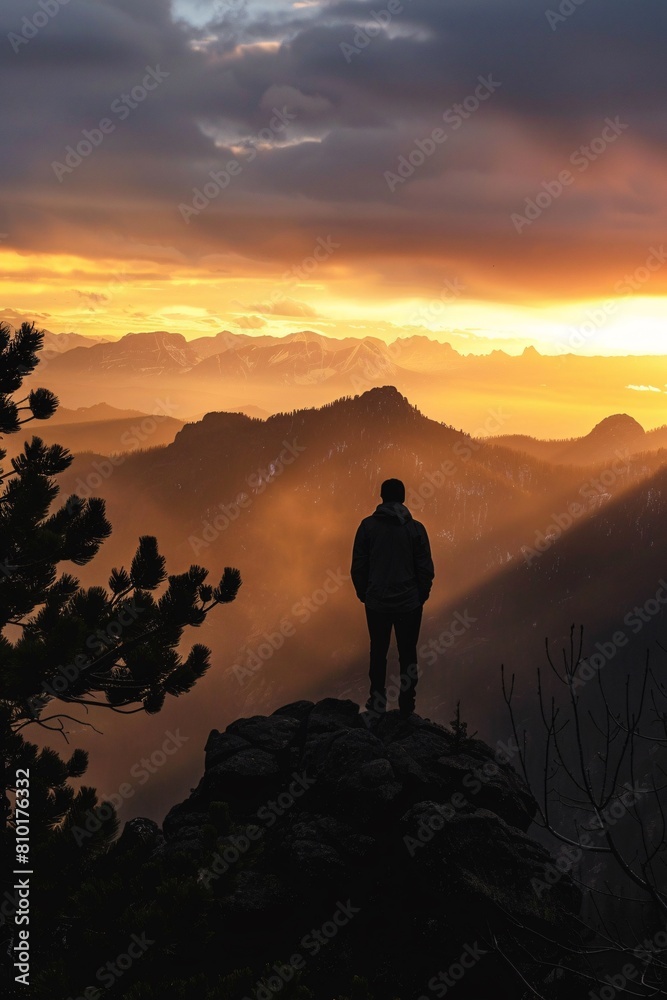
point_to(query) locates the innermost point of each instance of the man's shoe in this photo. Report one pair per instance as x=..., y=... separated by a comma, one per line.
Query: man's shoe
x=376, y=708
x=377, y=703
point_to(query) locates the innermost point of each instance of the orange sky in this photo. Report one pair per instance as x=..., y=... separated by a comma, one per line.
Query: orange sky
x=111, y=297
x=471, y=170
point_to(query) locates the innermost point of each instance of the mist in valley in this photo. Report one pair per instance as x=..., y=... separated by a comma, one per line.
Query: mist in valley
x=524, y=547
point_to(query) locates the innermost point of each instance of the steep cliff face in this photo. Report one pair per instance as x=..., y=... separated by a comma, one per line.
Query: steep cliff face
x=395, y=851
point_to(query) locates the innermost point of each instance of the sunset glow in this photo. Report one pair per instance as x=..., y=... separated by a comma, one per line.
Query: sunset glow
x=112, y=297
x=333, y=491
x=202, y=164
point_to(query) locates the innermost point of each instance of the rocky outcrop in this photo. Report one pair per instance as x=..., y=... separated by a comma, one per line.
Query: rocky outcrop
x=398, y=842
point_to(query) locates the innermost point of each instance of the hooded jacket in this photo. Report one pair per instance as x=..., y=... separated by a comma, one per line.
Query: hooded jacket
x=392, y=568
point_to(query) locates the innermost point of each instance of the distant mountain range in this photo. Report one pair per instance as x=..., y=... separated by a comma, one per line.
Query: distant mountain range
x=496, y=393
x=102, y=436
x=299, y=357
x=90, y=414
x=163, y=352
x=106, y=430
x=61, y=342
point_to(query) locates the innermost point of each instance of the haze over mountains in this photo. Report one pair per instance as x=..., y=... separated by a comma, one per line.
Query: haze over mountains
x=101, y=429
x=91, y=414
x=523, y=545
x=496, y=393
x=616, y=434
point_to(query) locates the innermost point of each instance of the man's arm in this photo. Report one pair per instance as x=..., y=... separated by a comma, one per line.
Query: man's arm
x=424, y=569
x=360, y=562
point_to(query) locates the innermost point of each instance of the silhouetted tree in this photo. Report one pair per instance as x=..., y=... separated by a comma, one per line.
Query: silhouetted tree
x=597, y=774
x=63, y=645
x=110, y=648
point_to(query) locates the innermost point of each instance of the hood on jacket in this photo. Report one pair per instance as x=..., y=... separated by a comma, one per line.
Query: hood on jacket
x=393, y=511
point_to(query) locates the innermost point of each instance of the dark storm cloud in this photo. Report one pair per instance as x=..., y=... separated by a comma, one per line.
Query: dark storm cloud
x=354, y=114
x=606, y=53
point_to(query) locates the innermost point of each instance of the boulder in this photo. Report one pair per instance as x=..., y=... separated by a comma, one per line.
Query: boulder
x=418, y=834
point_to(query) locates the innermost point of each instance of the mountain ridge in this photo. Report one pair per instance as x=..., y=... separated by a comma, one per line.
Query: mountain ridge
x=615, y=436
x=550, y=396
x=282, y=498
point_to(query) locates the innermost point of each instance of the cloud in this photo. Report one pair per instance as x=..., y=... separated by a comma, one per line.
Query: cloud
x=249, y=322
x=285, y=307
x=306, y=105
x=354, y=121
x=15, y=317
x=93, y=299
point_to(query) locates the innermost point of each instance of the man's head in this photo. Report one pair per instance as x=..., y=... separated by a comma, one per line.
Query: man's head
x=392, y=491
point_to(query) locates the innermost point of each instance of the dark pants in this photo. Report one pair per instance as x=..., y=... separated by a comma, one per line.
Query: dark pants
x=406, y=625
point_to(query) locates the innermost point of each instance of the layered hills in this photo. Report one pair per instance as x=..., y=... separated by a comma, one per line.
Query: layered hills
x=495, y=393
x=523, y=548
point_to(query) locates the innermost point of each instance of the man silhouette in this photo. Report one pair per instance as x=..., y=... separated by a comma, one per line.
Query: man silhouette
x=392, y=572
